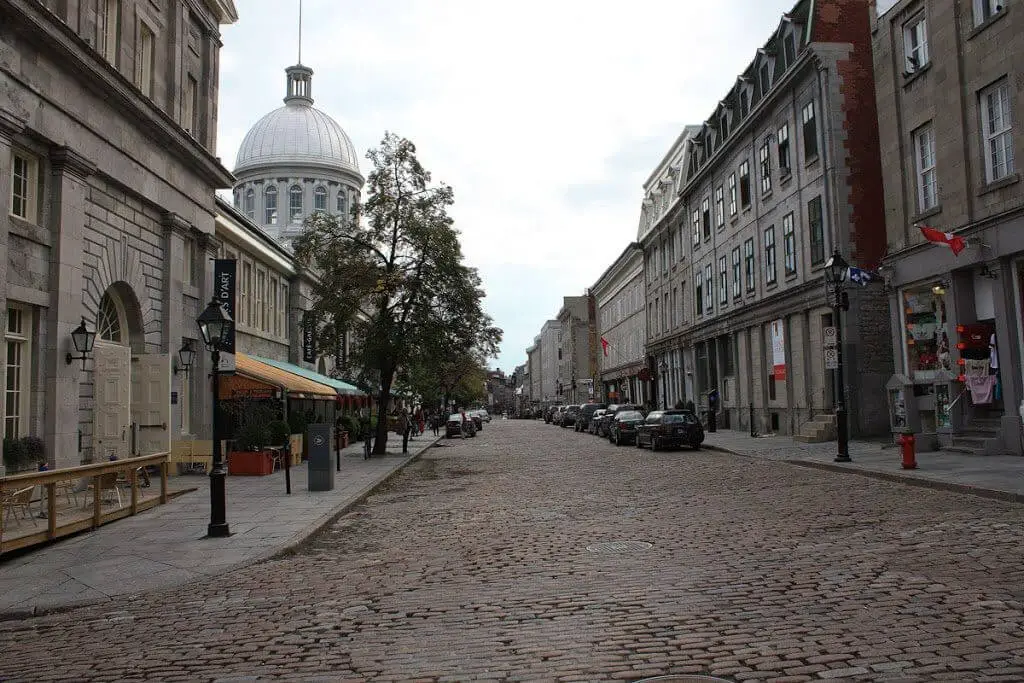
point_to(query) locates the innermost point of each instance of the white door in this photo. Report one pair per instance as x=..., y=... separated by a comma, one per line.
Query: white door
x=151, y=403
x=112, y=391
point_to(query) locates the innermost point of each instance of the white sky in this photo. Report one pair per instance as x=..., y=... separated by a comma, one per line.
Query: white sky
x=545, y=117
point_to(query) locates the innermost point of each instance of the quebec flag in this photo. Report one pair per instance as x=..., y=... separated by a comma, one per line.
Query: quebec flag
x=863, y=277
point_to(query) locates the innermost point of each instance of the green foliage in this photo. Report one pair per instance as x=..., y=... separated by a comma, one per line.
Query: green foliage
x=23, y=454
x=252, y=420
x=393, y=274
x=297, y=422
x=278, y=432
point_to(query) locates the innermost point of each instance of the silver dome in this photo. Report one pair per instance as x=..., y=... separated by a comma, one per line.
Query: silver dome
x=297, y=134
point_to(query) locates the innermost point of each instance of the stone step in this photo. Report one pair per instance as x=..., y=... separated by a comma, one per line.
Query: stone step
x=966, y=450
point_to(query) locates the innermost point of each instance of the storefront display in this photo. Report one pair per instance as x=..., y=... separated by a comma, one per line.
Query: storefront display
x=925, y=334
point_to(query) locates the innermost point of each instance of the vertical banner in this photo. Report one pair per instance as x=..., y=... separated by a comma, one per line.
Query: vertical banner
x=225, y=282
x=779, y=350
x=308, y=337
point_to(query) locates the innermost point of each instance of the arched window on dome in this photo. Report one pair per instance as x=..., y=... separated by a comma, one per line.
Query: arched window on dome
x=295, y=205
x=342, y=204
x=250, y=204
x=320, y=199
x=270, y=205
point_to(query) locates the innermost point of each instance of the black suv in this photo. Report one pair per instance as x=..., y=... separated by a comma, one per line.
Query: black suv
x=586, y=412
x=568, y=418
x=670, y=429
x=606, y=419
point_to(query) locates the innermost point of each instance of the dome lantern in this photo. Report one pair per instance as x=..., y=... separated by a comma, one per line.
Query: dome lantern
x=300, y=81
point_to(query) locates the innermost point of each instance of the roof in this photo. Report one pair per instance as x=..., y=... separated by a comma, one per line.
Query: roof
x=343, y=388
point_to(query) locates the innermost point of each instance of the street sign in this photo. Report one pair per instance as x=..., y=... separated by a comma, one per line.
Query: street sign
x=830, y=336
x=832, y=358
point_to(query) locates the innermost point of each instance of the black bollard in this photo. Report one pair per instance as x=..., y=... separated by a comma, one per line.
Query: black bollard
x=288, y=467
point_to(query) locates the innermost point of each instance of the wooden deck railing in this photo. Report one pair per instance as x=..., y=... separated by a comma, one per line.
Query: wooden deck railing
x=53, y=497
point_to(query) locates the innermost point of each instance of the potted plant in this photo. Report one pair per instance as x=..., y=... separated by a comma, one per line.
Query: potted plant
x=251, y=437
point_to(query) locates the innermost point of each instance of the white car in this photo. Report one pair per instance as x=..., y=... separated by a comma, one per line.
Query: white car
x=483, y=414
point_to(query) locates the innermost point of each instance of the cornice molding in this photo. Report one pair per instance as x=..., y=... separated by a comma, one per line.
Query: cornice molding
x=173, y=222
x=67, y=161
x=10, y=123
x=209, y=243
x=79, y=59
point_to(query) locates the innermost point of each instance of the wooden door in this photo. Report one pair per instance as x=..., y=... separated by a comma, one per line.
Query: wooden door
x=112, y=394
x=151, y=403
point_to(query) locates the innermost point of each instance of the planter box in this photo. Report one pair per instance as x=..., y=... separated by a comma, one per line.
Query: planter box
x=250, y=463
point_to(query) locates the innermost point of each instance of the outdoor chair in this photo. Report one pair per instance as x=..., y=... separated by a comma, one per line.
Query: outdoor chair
x=108, y=486
x=19, y=501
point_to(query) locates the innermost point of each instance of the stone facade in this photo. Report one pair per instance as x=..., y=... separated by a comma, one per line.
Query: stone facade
x=535, y=370
x=578, y=367
x=622, y=328
x=949, y=98
x=550, y=362
x=99, y=224
x=740, y=218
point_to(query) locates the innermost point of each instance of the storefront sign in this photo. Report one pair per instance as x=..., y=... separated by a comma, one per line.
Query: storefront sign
x=225, y=279
x=779, y=350
x=308, y=337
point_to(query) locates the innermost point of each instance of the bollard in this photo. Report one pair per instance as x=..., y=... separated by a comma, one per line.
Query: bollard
x=288, y=466
x=907, y=449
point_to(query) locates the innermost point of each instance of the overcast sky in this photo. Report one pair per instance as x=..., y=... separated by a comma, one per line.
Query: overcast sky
x=544, y=116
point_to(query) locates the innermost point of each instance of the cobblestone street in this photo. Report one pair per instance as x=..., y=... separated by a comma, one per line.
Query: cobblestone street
x=522, y=554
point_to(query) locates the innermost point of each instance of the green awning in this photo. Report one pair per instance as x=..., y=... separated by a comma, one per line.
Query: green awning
x=343, y=388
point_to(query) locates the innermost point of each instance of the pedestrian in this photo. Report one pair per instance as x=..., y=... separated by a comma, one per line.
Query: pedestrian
x=403, y=429
x=435, y=422
x=465, y=427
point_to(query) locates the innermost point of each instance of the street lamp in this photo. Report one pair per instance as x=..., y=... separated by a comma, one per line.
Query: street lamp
x=215, y=324
x=83, y=340
x=663, y=369
x=186, y=357
x=836, y=270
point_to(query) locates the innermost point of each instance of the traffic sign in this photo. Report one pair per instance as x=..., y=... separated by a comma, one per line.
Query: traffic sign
x=831, y=338
x=832, y=358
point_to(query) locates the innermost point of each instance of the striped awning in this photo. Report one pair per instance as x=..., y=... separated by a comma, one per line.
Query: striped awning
x=296, y=385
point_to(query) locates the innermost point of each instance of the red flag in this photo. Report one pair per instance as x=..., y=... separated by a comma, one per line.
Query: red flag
x=604, y=345
x=948, y=239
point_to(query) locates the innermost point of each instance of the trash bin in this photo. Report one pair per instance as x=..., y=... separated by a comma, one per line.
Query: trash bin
x=318, y=446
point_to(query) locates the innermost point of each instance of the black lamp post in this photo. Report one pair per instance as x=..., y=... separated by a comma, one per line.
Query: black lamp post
x=83, y=340
x=662, y=371
x=215, y=325
x=836, y=270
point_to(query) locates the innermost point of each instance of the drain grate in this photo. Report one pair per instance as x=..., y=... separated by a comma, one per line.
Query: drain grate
x=620, y=547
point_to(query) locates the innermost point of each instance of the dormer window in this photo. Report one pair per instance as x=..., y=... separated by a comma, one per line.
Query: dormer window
x=744, y=103
x=765, y=76
x=789, y=48
x=724, y=125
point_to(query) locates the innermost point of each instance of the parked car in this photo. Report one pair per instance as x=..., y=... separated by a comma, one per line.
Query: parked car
x=587, y=411
x=484, y=415
x=549, y=413
x=622, y=428
x=670, y=429
x=606, y=419
x=595, y=419
x=556, y=415
x=478, y=420
x=454, y=426
x=568, y=418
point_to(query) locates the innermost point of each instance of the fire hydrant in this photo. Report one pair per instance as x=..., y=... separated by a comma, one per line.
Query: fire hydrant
x=907, y=449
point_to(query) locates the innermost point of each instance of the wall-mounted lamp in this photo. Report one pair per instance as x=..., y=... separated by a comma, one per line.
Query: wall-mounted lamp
x=939, y=289
x=988, y=273
x=83, y=340
x=186, y=357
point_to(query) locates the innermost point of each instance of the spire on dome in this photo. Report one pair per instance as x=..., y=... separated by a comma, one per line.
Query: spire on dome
x=299, y=85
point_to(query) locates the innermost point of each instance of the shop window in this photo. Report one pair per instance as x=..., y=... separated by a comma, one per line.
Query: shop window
x=925, y=333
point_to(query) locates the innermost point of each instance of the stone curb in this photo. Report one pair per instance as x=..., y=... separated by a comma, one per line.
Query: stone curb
x=992, y=494
x=281, y=550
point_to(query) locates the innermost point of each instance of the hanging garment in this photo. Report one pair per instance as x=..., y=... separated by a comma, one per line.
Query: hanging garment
x=981, y=389
x=976, y=367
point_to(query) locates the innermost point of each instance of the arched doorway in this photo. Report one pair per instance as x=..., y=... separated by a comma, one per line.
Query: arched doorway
x=131, y=389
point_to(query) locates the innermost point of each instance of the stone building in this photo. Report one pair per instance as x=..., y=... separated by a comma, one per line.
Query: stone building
x=550, y=362
x=950, y=93
x=108, y=118
x=294, y=161
x=622, y=329
x=784, y=170
x=535, y=371
x=577, y=369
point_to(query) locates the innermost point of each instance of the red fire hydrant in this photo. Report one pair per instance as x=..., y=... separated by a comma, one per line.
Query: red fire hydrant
x=907, y=449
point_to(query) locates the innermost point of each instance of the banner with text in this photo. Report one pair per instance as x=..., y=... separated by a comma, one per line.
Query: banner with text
x=308, y=337
x=225, y=282
x=779, y=350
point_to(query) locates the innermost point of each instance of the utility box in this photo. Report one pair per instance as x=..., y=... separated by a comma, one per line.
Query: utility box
x=903, y=408
x=318, y=450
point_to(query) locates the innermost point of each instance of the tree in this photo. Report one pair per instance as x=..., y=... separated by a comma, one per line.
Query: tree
x=393, y=274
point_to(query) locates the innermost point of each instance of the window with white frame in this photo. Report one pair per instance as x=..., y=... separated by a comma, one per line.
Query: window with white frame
x=997, y=131
x=705, y=210
x=783, y=144
x=259, y=310
x=720, y=206
x=769, y=255
x=709, y=294
x=736, y=286
x=18, y=339
x=810, y=131
x=144, y=59
x=295, y=205
x=766, y=168
x=748, y=263
x=282, y=310
x=745, y=184
x=696, y=228
x=732, y=194
x=270, y=205
x=915, y=43
x=250, y=204
x=927, y=179
x=986, y=9
x=698, y=292
x=24, y=185
x=789, y=243
x=723, y=280
x=320, y=198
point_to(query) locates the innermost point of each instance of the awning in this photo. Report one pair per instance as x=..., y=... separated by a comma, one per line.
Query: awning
x=267, y=374
x=342, y=388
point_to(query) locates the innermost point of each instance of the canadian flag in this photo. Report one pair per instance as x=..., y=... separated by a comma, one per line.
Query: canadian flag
x=957, y=244
x=604, y=345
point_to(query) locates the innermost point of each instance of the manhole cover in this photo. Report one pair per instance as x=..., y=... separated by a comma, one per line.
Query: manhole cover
x=683, y=679
x=620, y=547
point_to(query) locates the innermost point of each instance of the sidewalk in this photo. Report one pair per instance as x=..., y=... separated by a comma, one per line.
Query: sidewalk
x=991, y=476
x=166, y=546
